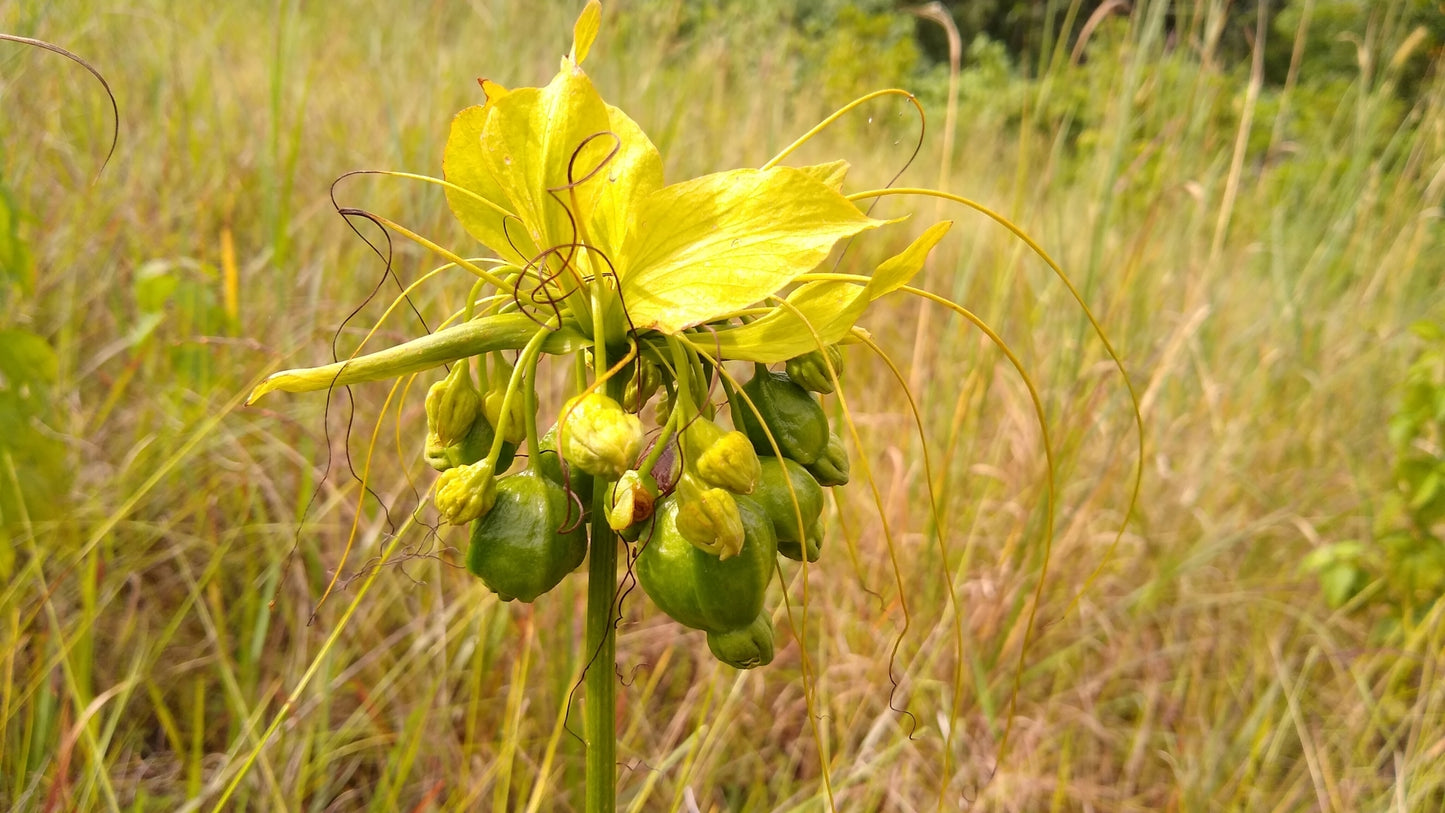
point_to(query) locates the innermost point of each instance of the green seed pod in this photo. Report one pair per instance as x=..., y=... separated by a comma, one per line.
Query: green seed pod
x=477, y=445
x=516, y=417
x=709, y=518
x=777, y=501
x=832, y=467
x=551, y=465
x=466, y=493
x=517, y=548
x=642, y=384
x=630, y=500
x=452, y=404
x=810, y=372
x=722, y=459
x=598, y=437
x=794, y=418
x=696, y=588
x=745, y=648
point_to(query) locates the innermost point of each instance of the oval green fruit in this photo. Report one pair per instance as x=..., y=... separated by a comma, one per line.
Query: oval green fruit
x=518, y=548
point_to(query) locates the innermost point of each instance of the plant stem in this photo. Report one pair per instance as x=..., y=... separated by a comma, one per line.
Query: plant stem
x=601, y=698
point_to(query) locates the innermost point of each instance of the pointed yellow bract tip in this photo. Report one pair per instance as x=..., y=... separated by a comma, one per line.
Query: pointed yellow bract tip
x=585, y=31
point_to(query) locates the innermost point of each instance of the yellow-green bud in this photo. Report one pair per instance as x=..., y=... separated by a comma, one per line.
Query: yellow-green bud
x=630, y=500
x=516, y=416
x=722, y=459
x=452, y=404
x=643, y=381
x=466, y=493
x=810, y=371
x=708, y=518
x=597, y=437
x=436, y=452
x=664, y=411
x=832, y=467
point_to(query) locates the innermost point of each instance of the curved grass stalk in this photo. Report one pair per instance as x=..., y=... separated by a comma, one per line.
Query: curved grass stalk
x=459, y=260
x=942, y=548
x=838, y=114
x=1098, y=330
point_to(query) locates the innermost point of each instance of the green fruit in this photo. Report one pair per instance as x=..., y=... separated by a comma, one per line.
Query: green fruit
x=810, y=370
x=698, y=589
x=832, y=467
x=811, y=546
x=476, y=445
x=550, y=464
x=744, y=648
x=778, y=502
x=794, y=417
x=518, y=549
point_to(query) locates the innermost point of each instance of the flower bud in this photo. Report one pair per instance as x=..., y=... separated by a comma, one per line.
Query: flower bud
x=832, y=467
x=722, y=459
x=597, y=437
x=663, y=411
x=465, y=493
x=630, y=500
x=708, y=518
x=452, y=404
x=643, y=383
x=436, y=452
x=810, y=371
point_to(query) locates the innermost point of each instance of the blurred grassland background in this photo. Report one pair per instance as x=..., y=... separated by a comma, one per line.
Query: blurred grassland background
x=1256, y=222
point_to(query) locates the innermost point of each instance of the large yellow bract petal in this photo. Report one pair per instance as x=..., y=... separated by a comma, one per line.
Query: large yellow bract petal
x=822, y=312
x=712, y=245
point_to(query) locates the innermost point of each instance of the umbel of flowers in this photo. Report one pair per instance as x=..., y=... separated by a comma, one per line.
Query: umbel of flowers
x=643, y=290
x=654, y=286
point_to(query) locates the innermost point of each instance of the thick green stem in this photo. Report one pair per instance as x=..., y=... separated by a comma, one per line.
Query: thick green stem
x=601, y=686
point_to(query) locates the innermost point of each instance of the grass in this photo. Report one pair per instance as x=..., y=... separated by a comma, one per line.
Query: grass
x=1258, y=281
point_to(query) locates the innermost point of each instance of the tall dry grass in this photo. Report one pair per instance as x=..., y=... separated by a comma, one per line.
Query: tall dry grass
x=1257, y=281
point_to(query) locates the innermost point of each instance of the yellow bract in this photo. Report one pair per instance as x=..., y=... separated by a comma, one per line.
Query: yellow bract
x=556, y=168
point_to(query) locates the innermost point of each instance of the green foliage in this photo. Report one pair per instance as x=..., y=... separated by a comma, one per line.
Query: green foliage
x=1406, y=555
x=35, y=465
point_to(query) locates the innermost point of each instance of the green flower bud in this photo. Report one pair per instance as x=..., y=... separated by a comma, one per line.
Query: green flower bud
x=745, y=648
x=722, y=459
x=466, y=493
x=709, y=518
x=598, y=437
x=516, y=416
x=832, y=467
x=794, y=418
x=663, y=411
x=810, y=371
x=452, y=404
x=436, y=452
x=630, y=500
x=642, y=385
